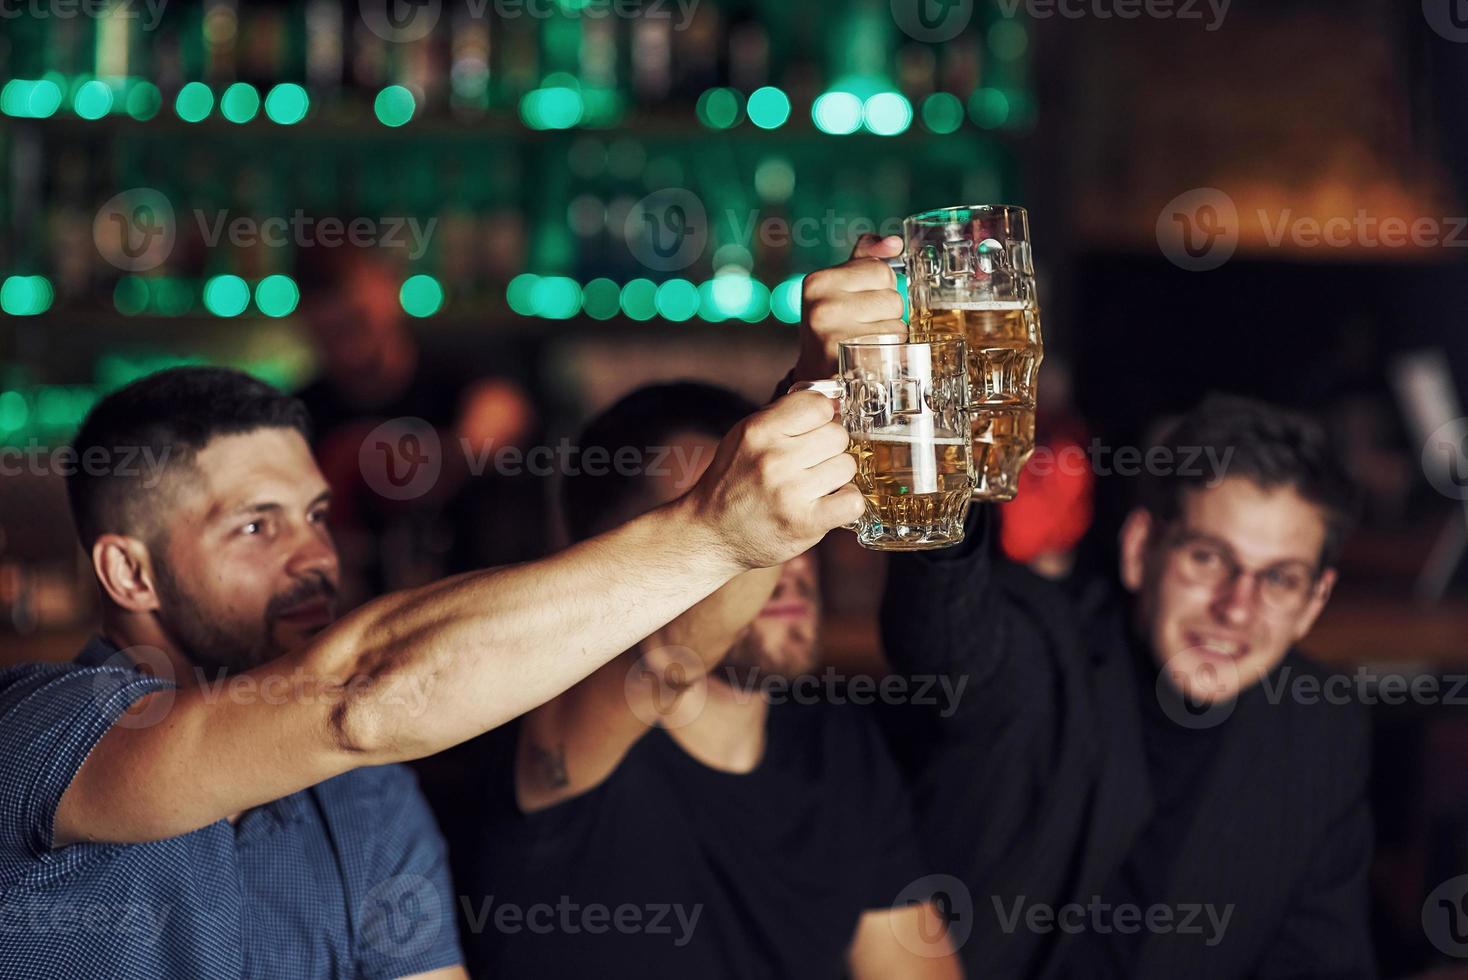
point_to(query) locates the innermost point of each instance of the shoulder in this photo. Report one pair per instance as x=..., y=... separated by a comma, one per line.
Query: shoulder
x=49, y=695
x=1325, y=704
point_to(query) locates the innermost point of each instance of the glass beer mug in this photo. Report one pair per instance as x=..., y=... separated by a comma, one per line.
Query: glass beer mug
x=971, y=275
x=906, y=407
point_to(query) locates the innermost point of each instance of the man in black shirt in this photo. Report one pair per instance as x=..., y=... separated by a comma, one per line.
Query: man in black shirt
x=1148, y=785
x=666, y=818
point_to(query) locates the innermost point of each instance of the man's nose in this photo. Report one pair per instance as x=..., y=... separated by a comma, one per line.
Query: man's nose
x=1235, y=599
x=314, y=553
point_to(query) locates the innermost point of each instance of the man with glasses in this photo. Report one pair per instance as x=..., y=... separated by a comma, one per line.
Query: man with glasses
x=1149, y=783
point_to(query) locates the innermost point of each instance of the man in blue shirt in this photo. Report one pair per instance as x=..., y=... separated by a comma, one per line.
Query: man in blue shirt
x=209, y=790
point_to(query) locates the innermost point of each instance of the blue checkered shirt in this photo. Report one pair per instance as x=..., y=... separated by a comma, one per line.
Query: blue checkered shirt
x=345, y=879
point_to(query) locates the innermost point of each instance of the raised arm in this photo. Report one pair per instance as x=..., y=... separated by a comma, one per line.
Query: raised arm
x=418, y=671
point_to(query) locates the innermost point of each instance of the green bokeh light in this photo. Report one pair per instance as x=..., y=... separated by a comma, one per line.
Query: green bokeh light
x=639, y=299
x=887, y=114
x=520, y=292
x=93, y=99
x=287, y=104
x=143, y=101
x=943, y=112
x=553, y=107
x=277, y=295
x=1009, y=40
x=989, y=108
x=421, y=295
x=194, y=102
x=13, y=411
x=226, y=295
x=676, y=300
x=718, y=108
x=838, y=113
x=785, y=300
x=26, y=295
x=556, y=297
x=130, y=295
x=602, y=299
x=240, y=103
x=769, y=108
x=394, y=105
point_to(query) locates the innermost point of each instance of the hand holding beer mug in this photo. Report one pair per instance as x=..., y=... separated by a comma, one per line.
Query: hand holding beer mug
x=906, y=408
x=971, y=275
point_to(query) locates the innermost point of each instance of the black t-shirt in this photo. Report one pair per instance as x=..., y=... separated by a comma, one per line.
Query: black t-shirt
x=711, y=874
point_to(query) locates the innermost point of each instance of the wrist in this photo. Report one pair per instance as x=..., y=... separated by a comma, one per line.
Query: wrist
x=698, y=539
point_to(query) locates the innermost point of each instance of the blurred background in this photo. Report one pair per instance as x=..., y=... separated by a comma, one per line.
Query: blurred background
x=459, y=228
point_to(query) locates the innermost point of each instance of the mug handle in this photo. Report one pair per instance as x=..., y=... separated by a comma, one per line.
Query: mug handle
x=836, y=391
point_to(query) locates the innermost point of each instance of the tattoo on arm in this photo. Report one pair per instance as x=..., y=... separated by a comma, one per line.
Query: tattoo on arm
x=550, y=764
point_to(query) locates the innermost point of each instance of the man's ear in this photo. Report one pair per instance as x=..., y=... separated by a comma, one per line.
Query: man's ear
x=1135, y=537
x=1323, y=588
x=125, y=571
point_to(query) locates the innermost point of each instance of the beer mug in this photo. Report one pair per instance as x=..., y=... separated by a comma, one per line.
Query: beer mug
x=970, y=274
x=906, y=408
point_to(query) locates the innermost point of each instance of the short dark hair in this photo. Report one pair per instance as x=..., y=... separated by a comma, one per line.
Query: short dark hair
x=167, y=417
x=646, y=418
x=1268, y=445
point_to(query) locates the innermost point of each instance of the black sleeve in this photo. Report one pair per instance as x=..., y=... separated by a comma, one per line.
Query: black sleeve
x=1326, y=932
x=1001, y=764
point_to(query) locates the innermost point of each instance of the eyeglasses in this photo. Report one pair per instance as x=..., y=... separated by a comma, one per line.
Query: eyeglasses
x=1284, y=586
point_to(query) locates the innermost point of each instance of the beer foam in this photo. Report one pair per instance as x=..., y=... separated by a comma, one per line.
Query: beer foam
x=989, y=306
x=909, y=439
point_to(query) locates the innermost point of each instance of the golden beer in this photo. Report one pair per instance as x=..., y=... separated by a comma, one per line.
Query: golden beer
x=1004, y=354
x=913, y=481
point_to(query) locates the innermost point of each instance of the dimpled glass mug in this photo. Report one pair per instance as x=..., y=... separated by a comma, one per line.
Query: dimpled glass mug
x=906, y=407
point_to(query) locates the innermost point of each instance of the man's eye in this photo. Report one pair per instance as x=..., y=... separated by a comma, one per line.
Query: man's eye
x=1289, y=581
x=254, y=527
x=1203, y=556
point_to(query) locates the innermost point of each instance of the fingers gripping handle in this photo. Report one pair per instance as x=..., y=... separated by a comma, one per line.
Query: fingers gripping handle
x=836, y=391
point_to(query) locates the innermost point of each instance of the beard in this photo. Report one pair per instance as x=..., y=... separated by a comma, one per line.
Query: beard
x=208, y=641
x=776, y=649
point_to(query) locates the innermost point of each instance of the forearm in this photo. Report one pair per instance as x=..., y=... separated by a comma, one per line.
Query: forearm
x=436, y=666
